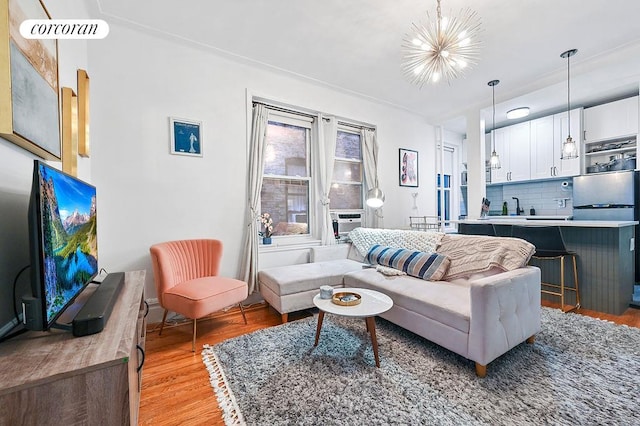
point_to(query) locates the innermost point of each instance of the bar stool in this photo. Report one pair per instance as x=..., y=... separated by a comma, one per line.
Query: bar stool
x=550, y=247
x=477, y=229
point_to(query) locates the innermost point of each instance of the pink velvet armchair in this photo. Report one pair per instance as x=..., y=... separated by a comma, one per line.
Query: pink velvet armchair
x=187, y=281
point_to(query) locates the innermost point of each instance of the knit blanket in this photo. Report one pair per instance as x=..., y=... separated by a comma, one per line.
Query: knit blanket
x=472, y=254
x=364, y=238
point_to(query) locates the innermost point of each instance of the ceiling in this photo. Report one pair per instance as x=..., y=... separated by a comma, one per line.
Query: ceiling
x=354, y=46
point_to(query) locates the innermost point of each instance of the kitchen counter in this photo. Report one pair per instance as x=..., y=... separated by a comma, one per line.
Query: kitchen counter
x=606, y=260
x=529, y=221
x=534, y=217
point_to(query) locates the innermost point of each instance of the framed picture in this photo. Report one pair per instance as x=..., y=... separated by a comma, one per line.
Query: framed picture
x=408, y=168
x=69, y=131
x=186, y=137
x=83, y=113
x=29, y=112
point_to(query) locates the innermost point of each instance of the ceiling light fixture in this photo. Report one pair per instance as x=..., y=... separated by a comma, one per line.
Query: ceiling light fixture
x=442, y=48
x=495, y=158
x=569, y=148
x=518, y=113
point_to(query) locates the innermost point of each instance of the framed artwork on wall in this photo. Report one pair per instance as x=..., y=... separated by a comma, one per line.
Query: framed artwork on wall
x=186, y=137
x=29, y=112
x=408, y=167
x=83, y=113
x=69, y=131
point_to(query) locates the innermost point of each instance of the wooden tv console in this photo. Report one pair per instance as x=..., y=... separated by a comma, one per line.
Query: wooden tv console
x=55, y=378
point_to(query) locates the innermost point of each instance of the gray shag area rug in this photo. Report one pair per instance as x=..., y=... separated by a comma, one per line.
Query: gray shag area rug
x=579, y=371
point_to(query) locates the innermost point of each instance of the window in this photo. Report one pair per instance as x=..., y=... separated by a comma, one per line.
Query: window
x=446, y=216
x=444, y=182
x=346, y=185
x=290, y=192
x=286, y=180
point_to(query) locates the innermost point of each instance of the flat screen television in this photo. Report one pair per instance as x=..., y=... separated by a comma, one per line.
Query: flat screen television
x=63, y=243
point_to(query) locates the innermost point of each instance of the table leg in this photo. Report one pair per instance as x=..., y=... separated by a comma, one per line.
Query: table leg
x=319, y=327
x=371, y=327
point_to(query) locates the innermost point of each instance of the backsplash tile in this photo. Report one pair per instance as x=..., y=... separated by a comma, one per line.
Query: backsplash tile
x=541, y=195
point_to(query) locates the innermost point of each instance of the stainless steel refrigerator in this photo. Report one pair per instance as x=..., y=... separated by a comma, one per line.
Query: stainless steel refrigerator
x=605, y=196
x=609, y=196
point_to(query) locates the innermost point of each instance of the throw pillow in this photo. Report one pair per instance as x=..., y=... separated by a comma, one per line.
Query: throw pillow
x=417, y=264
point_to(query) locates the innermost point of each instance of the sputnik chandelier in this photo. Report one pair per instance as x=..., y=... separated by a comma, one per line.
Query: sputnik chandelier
x=442, y=48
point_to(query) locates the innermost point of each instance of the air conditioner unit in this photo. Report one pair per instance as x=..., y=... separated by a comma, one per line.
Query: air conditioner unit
x=346, y=221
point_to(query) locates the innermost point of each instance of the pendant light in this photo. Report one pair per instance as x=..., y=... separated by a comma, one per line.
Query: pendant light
x=569, y=148
x=441, y=48
x=495, y=158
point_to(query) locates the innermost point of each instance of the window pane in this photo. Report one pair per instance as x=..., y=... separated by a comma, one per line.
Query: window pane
x=345, y=196
x=447, y=181
x=287, y=201
x=447, y=205
x=286, y=150
x=348, y=146
x=344, y=171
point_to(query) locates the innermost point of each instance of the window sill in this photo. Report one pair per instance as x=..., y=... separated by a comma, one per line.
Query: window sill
x=276, y=246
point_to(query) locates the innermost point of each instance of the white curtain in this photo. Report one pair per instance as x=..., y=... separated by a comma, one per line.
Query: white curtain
x=370, y=163
x=249, y=272
x=328, y=129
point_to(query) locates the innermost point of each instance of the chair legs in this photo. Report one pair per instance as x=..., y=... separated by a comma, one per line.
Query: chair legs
x=164, y=318
x=242, y=310
x=193, y=342
x=575, y=275
x=561, y=289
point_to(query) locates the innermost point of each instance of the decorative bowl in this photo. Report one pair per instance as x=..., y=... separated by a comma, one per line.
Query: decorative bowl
x=346, y=298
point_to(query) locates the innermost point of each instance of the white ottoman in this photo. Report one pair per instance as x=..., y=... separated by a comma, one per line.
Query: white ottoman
x=292, y=288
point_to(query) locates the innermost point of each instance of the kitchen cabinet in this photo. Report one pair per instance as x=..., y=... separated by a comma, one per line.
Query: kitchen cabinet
x=547, y=135
x=612, y=120
x=542, y=148
x=512, y=143
x=610, y=141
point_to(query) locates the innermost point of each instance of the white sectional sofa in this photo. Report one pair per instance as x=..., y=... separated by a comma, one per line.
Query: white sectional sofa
x=479, y=315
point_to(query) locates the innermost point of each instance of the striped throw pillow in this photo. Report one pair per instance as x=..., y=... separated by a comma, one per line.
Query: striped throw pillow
x=418, y=264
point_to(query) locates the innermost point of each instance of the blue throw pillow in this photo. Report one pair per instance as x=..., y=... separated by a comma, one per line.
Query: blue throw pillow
x=418, y=264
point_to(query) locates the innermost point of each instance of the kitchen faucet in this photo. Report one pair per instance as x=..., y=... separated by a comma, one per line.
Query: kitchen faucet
x=518, y=209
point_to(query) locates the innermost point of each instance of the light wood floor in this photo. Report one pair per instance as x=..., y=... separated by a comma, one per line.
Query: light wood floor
x=175, y=383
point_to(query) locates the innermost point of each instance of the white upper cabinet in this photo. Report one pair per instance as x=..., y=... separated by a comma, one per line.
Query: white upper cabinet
x=520, y=152
x=566, y=168
x=613, y=120
x=547, y=135
x=542, y=151
x=512, y=143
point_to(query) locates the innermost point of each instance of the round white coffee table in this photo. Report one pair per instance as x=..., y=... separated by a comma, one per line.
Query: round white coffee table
x=372, y=303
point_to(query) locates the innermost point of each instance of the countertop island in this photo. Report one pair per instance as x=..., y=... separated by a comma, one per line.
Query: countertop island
x=533, y=221
x=606, y=258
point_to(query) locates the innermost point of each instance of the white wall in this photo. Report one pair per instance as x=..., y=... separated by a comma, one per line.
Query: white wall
x=16, y=168
x=146, y=195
